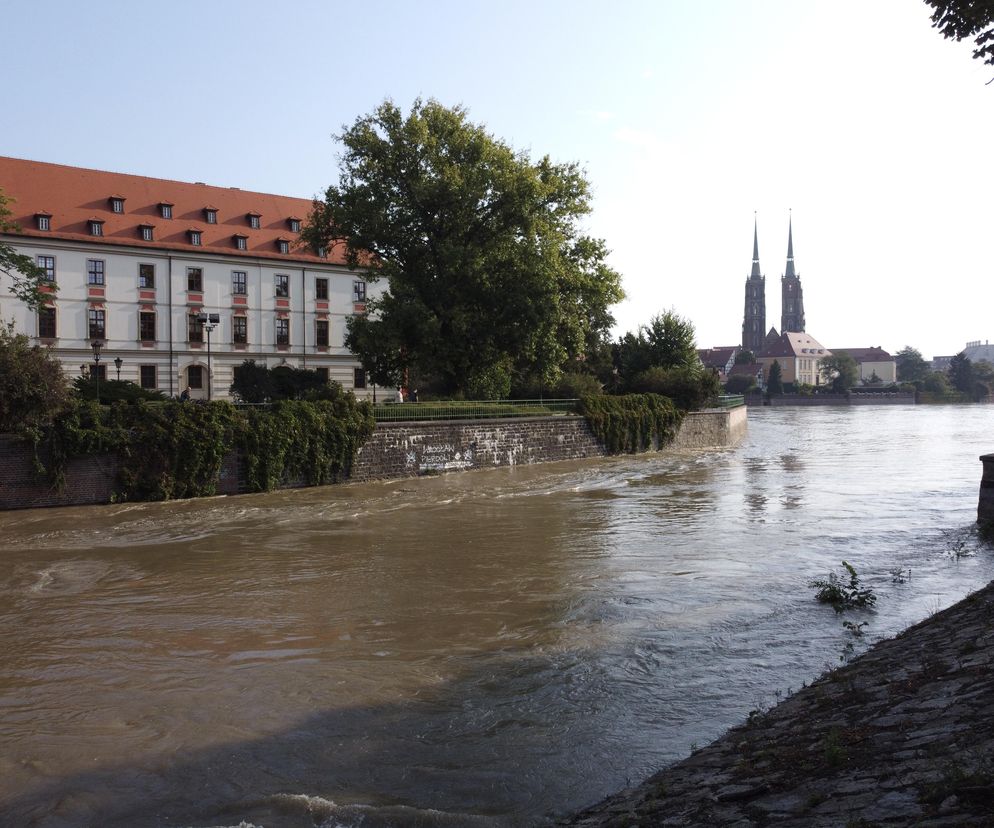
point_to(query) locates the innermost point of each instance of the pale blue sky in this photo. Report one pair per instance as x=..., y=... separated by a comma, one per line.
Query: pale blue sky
x=687, y=116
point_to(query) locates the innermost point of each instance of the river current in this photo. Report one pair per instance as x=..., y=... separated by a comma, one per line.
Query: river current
x=488, y=648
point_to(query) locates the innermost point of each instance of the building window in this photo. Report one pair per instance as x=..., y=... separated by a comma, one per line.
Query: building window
x=358, y=291
x=321, y=288
x=322, y=252
x=239, y=330
x=146, y=276
x=294, y=225
x=94, y=271
x=282, y=331
x=146, y=326
x=358, y=377
x=147, y=232
x=241, y=242
x=321, y=333
x=47, y=263
x=195, y=328
x=116, y=204
x=282, y=285
x=166, y=210
x=99, y=371
x=96, y=228
x=195, y=376
x=254, y=220
x=239, y=282
x=96, y=323
x=44, y=221
x=194, y=237
x=210, y=215
x=46, y=323
x=323, y=374
x=283, y=245
x=146, y=374
x=195, y=279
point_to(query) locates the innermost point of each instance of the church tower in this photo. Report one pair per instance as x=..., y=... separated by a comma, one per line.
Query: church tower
x=792, y=298
x=754, y=319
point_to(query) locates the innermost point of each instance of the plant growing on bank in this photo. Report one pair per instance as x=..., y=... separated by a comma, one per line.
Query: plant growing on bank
x=842, y=595
x=631, y=423
x=33, y=388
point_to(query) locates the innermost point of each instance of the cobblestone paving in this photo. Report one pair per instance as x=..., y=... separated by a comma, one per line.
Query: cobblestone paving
x=903, y=735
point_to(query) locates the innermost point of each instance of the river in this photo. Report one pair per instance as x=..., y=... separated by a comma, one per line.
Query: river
x=485, y=648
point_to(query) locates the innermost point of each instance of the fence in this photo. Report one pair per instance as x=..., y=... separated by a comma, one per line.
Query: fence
x=471, y=409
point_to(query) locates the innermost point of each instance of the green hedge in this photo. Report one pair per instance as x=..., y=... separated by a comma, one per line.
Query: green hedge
x=634, y=422
x=176, y=449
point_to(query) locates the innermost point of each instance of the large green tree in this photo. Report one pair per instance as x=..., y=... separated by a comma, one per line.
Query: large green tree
x=487, y=271
x=911, y=365
x=668, y=341
x=26, y=277
x=840, y=371
x=961, y=373
x=959, y=19
x=33, y=388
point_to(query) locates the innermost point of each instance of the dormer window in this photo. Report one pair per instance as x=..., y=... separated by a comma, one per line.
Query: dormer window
x=210, y=215
x=294, y=224
x=44, y=221
x=96, y=227
x=196, y=237
x=166, y=209
x=254, y=220
x=117, y=204
x=283, y=245
x=146, y=232
x=322, y=252
x=241, y=242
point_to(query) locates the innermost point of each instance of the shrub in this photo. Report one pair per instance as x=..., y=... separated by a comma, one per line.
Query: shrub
x=843, y=596
x=689, y=389
x=740, y=384
x=87, y=388
x=33, y=387
x=577, y=385
x=631, y=423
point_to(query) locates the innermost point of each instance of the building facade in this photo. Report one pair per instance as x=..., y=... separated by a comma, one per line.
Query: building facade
x=799, y=355
x=792, y=295
x=180, y=282
x=872, y=363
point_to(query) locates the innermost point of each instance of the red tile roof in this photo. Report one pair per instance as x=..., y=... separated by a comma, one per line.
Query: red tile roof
x=876, y=354
x=74, y=196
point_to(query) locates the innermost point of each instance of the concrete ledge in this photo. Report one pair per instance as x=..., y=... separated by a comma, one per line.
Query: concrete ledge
x=985, y=507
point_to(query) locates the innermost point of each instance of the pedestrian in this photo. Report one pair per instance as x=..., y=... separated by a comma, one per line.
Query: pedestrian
x=400, y=395
x=414, y=395
x=185, y=395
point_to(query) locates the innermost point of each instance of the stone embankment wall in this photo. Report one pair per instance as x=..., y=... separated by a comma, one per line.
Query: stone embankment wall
x=902, y=735
x=985, y=509
x=394, y=450
x=877, y=398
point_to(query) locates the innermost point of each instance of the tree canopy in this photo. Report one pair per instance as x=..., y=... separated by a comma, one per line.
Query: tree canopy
x=26, y=277
x=840, y=371
x=33, y=387
x=668, y=341
x=911, y=365
x=960, y=19
x=487, y=272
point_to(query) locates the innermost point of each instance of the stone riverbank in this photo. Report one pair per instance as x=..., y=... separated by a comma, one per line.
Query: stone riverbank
x=903, y=735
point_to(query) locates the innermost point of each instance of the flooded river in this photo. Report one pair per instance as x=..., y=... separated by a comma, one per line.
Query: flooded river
x=479, y=649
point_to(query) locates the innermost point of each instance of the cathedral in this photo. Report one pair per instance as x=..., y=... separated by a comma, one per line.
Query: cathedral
x=754, y=334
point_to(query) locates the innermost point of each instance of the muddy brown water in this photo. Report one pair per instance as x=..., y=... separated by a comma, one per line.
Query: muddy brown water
x=488, y=648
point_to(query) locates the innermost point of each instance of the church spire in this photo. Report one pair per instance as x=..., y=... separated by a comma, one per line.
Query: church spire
x=789, y=272
x=755, y=247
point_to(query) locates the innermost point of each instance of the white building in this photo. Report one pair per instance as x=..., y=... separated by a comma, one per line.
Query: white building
x=137, y=261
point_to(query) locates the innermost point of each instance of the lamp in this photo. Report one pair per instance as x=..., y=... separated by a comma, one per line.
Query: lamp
x=118, y=362
x=209, y=321
x=96, y=345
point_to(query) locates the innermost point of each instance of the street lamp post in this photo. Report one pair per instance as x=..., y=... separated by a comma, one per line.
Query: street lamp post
x=118, y=362
x=209, y=321
x=96, y=345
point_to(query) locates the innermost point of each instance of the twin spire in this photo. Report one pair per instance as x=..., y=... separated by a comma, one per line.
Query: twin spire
x=789, y=270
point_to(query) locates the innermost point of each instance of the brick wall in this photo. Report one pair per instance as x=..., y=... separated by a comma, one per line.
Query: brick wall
x=395, y=450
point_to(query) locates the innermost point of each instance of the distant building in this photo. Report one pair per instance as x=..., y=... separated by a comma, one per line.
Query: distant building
x=754, y=370
x=720, y=358
x=872, y=361
x=976, y=352
x=798, y=354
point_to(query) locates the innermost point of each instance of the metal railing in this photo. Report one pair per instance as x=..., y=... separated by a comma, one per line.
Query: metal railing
x=471, y=409
x=730, y=400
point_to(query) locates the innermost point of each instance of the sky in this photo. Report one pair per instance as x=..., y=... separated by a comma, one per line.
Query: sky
x=855, y=117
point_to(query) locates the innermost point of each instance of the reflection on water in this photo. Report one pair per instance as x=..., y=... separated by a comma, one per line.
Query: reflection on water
x=484, y=648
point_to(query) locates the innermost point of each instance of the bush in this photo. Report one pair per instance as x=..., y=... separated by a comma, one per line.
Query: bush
x=631, y=423
x=576, y=385
x=844, y=596
x=740, y=384
x=33, y=387
x=87, y=388
x=689, y=389
x=491, y=382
